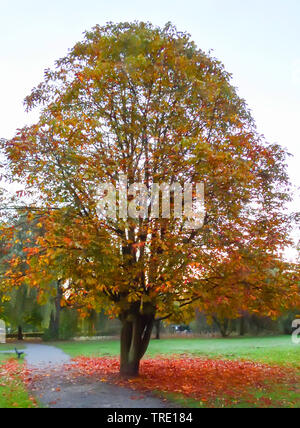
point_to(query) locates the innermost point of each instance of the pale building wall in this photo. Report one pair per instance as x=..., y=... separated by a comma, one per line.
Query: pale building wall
x=2, y=332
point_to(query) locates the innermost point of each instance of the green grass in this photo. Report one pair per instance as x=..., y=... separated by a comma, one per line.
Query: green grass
x=5, y=357
x=13, y=393
x=272, y=350
x=10, y=347
x=5, y=347
x=280, y=396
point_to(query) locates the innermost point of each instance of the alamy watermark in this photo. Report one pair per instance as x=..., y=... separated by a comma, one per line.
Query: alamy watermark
x=2, y=332
x=296, y=332
x=163, y=200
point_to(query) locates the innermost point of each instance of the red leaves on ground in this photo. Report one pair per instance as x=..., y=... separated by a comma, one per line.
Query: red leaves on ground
x=14, y=375
x=12, y=370
x=210, y=382
x=204, y=380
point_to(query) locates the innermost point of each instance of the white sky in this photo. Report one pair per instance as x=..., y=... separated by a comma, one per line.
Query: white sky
x=257, y=40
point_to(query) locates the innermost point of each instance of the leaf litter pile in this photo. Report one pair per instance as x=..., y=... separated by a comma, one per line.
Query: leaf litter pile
x=204, y=380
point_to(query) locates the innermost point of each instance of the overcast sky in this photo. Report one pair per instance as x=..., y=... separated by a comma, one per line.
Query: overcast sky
x=257, y=40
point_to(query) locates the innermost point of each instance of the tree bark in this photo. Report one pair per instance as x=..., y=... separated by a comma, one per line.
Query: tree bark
x=157, y=329
x=20, y=333
x=242, y=326
x=55, y=318
x=136, y=332
x=58, y=298
x=223, y=325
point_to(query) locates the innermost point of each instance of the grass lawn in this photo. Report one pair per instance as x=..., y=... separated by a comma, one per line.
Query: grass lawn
x=10, y=346
x=272, y=350
x=283, y=395
x=13, y=392
x=6, y=347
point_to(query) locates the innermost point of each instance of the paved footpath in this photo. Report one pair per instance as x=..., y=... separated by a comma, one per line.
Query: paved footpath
x=44, y=356
x=55, y=387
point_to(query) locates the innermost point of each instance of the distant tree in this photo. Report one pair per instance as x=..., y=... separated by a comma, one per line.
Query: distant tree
x=19, y=304
x=157, y=326
x=55, y=315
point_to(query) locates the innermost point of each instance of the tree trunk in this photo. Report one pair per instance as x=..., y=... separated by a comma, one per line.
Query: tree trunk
x=157, y=329
x=55, y=318
x=242, y=326
x=223, y=325
x=135, y=337
x=223, y=331
x=20, y=333
x=58, y=298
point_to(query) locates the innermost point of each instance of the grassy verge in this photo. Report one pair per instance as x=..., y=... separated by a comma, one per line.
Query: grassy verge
x=13, y=391
x=10, y=346
x=279, y=397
